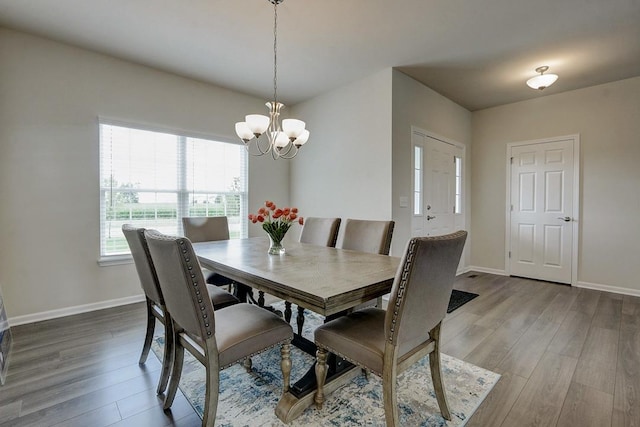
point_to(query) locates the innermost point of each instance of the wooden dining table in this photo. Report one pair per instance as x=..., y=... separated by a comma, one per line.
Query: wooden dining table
x=328, y=281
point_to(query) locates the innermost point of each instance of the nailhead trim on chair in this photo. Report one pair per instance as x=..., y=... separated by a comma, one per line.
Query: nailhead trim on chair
x=337, y=353
x=203, y=307
x=287, y=341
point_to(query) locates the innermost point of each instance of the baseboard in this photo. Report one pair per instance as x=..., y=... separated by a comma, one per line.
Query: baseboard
x=608, y=288
x=486, y=270
x=68, y=311
x=579, y=284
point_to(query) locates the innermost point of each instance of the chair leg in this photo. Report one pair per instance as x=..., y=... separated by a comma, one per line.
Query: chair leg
x=151, y=324
x=247, y=364
x=167, y=357
x=436, y=373
x=176, y=372
x=211, y=395
x=321, y=375
x=389, y=387
x=365, y=373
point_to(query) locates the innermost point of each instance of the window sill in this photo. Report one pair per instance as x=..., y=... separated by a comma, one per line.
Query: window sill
x=107, y=261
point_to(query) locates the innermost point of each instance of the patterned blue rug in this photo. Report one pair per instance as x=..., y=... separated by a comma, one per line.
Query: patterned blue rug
x=250, y=399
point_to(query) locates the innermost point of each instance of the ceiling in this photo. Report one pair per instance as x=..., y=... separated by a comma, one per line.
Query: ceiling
x=476, y=53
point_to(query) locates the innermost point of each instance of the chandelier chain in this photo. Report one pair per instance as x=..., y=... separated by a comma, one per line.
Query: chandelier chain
x=275, y=51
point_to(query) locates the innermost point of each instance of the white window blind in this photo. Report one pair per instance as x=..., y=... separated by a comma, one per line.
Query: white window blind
x=153, y=178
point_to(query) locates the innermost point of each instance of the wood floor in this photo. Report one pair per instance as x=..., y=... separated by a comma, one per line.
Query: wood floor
x=567, y=356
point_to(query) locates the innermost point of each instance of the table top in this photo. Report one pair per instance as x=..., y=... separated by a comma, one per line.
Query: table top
x=325, y=280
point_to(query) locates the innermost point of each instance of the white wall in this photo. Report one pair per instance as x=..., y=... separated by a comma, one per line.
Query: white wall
x=414, y=104
x=345, y=168
x=607, y=118
x=50, y=97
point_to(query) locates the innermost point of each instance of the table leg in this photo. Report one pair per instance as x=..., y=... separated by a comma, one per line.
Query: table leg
x=241, y=292
x=287, y=311
x=300, y=319
x=301, y=393
x=291, y=406
x=336, y=366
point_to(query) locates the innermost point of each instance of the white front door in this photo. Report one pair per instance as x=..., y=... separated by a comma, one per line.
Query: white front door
x=437, y=186
x=542, y=210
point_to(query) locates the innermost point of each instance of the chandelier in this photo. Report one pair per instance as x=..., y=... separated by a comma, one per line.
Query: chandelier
x=281, y=140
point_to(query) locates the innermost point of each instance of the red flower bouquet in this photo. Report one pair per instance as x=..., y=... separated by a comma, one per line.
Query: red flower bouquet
x=276, y=222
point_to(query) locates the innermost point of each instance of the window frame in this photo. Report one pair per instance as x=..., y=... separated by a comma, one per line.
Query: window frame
x=182, y=191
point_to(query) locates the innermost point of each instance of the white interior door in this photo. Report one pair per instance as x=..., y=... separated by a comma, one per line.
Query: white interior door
x=542, y=210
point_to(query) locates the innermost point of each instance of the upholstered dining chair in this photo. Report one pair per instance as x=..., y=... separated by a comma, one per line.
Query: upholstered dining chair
x=320, y=231
x=217, y=339
x=368, y=236
x=208, y=229
x=156, y=308
x=388, y=342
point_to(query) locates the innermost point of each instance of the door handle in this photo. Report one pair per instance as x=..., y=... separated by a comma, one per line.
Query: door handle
x=565, y=218
x=429, y=217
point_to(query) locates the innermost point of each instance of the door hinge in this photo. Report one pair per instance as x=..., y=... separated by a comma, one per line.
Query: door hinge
x=509, y=254
x=511, y=160
x=511, y=208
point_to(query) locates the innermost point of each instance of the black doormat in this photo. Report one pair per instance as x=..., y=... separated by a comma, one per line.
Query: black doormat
x=458, y=299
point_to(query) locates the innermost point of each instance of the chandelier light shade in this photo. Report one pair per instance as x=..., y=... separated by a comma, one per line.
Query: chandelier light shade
x=266, y=134
x=543, y=80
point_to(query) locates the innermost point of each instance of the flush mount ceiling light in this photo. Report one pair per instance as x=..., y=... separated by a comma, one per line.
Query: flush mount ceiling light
x=543, y=80
x=282, y=140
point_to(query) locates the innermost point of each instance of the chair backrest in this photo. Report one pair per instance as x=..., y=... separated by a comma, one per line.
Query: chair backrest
x=422, y=288
x=320, y=231
x=368, y=236
x=144, y=264
x=206, y=228
x=182, y=283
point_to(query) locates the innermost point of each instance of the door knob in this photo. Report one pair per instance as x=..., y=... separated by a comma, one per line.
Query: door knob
x=429, y=217
x=565, y=219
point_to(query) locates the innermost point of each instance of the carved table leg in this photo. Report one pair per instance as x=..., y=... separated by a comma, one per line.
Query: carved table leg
x=287, y=311
x=300, y=319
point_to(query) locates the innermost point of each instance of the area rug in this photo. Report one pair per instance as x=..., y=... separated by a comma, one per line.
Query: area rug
x=249, y=399
x=458, y=299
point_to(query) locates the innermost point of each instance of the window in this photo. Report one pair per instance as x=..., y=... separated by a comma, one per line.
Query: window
x=457, y=208
x=152, y=179
x=417, y=180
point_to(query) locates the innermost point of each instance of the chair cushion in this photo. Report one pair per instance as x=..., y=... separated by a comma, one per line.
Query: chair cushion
x=220, y=298
x=244, y=329
x=359, y=337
